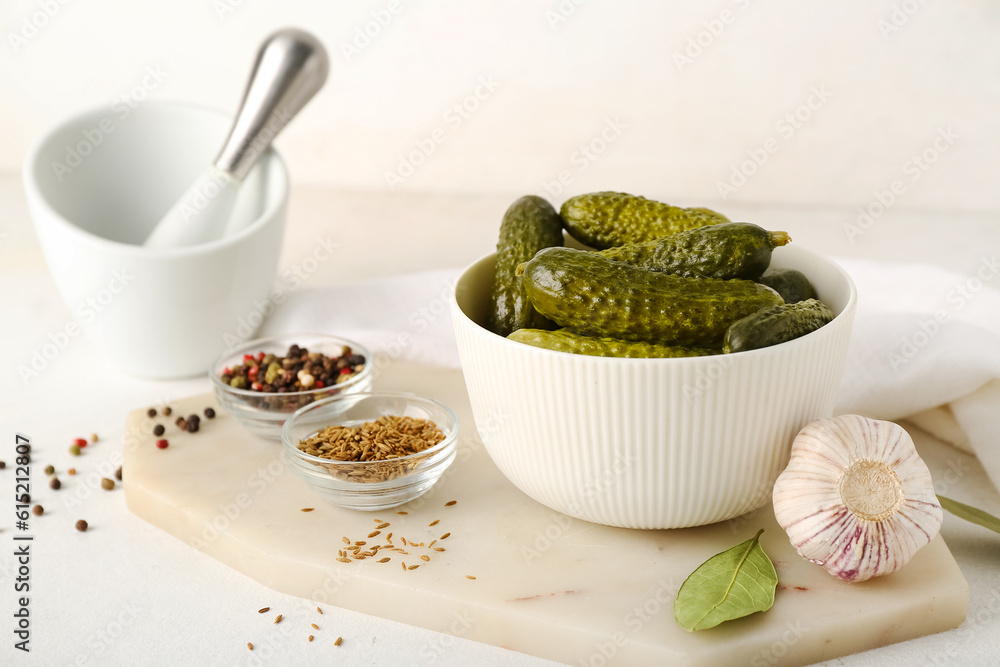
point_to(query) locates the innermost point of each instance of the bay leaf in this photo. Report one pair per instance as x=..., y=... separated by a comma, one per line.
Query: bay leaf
x=970, y=513
x=732, y=584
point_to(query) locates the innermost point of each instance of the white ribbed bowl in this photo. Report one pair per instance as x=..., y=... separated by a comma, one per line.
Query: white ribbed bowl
x=650, y=443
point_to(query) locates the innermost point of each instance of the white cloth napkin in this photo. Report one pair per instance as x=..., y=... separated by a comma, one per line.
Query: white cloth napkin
x=926, y=342
x=926, y=346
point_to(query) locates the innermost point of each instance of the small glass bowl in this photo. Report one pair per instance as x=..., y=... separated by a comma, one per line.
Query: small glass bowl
x=392, y=482
x=265, y=413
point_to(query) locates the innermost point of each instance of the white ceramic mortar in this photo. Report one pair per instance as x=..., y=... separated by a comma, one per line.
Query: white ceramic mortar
x=98, y=182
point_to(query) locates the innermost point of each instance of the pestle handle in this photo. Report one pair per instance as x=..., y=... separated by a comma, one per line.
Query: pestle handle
x=291, y=66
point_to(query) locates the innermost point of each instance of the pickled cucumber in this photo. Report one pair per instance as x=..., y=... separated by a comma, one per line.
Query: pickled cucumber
x=608, y=219
x=723, y=251
x=596, y=296
x=530, y=224
x=779, y=324
x=564, y=340
x=792, y=285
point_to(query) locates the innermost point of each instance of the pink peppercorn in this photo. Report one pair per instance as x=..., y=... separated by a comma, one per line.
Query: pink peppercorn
x=162, y=443
x=80, y=442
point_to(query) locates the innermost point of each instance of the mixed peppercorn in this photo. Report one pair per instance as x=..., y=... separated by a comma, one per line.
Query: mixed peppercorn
x=298, y=370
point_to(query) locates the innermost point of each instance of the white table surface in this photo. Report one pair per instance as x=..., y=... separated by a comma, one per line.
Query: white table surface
x=125, y=593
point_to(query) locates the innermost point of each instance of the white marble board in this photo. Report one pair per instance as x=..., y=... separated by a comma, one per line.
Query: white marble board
x=545, y=584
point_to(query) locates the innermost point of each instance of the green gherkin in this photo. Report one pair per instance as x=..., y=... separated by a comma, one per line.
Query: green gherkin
x=792, y=285
x=596, y=296
x=608, y=219
x=723, y=251
x=564, y=340
x=779, y=324
x=530, y=224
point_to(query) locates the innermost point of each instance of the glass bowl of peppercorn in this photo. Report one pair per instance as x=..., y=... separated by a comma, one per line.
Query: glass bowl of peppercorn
x=371, y=451
x=262, y=382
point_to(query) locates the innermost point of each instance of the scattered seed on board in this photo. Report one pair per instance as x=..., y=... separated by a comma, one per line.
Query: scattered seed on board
x=249, y=646
x=277, y=618
x=412, y=567
x=445, y=536
x=81, y=525
x=151, y=412
x=434, y=522
x=450, y=503
x=346, y=541
x=37, y=510
x=404, y=565
x=344, y=560
x=118, y=473
x=263, y=610
x=402, y=513
x=374, y=533
x=54, y=483
x=438, y=549
x=74, y=450
x=385, y=560
x=158, y=430
x=310, y=637
x=307, y=509
x=319, y=610
x=93, y=437
x=72, y=471
x=425, y=558
x=49, y=469
x=107, y=484
x=469, y=576
x=340, y=640
x=167, y=411
x=209, y=413
x=314, y=626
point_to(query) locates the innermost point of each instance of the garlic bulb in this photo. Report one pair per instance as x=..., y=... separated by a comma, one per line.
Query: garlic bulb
x=856, y=498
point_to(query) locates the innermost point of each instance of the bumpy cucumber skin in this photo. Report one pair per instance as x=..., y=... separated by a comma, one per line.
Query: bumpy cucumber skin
x=530, y=224
x=792, y=285
x=779, y=324
x=723, y=251
x=564, y=340
x=608, y=219
x=596, y=296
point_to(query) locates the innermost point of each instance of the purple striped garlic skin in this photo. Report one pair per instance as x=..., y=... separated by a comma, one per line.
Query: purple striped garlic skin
x=856, y=498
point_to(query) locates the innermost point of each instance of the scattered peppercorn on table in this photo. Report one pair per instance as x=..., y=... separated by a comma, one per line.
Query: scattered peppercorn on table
x=520, y=575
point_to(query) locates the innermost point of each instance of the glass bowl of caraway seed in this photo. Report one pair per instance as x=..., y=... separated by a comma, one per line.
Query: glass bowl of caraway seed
x=371, y=451
x=262, y=382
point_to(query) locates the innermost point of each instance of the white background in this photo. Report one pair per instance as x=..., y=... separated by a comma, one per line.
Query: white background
x=693, y=103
